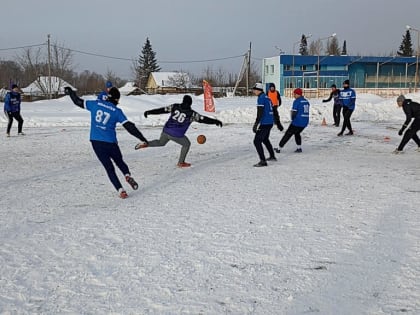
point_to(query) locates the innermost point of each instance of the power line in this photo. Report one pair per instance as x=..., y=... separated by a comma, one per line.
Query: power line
x=161, y=62
x=22, y=47
x=207, y=60
x=123, y=58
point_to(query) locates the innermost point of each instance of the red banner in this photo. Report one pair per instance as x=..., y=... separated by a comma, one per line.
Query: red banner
x=208, y=97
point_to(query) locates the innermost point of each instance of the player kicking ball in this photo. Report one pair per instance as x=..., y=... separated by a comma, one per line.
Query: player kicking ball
x=180, y=118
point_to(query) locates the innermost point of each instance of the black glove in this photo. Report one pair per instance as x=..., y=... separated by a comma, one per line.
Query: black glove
x=280, y=126
x=255, y=128
x=146, y=113
x=324, y=101
x=67, y=90
x=400, y=132
x=219, y=123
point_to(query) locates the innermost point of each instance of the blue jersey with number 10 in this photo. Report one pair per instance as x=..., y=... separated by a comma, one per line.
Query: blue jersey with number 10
x=104, y=117
x=301, y=107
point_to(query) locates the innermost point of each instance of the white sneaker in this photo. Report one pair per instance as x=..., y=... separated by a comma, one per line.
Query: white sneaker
x=418, y=149
x=396, y=151
x=21, y=134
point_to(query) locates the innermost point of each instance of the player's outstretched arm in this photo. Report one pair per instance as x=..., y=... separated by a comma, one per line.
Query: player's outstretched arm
x=157, y=111
x=76, y=100
x=132, y=130
x=207, y=120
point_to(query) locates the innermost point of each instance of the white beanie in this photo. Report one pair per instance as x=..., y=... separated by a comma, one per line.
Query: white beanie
x=258, y=86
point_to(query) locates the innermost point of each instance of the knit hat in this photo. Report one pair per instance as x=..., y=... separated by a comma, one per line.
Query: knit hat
x=14, y=86
x=298, y=91
x=258, y=86
x=114, y=95
x=108, y=84
x=400, y=98
x=346, y=82
x=187, y=100
x=271, y=85
x=333, y=86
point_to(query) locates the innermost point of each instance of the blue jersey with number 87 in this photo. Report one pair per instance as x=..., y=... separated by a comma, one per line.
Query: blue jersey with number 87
x=104, y=117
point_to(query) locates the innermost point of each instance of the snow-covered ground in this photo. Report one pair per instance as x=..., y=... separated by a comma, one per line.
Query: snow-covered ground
x=334, y=230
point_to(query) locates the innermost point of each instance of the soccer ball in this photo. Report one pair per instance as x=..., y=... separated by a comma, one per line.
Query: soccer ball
x=201, y=139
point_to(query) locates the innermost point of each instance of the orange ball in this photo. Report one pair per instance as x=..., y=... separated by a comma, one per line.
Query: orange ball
x=201, y=139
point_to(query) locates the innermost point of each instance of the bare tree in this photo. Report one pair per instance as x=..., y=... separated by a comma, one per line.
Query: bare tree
x=10, y=72
x=61, y=61
x=316, y=48
x=333, y=48
x=180, y=80
x=36, y=64
x=116, y=81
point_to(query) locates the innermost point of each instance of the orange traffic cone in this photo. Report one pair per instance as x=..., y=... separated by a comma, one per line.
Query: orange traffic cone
x=324, y=122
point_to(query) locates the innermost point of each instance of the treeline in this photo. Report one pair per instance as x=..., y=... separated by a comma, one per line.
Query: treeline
x=57, y=61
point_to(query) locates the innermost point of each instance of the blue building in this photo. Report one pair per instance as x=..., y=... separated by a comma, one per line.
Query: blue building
x=315, y=74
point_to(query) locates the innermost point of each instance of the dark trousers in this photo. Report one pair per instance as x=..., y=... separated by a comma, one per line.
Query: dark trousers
x=18, y=117
x=106, y=153
x=262, y=136
x=346, y=116
x=411, y=133
x=337, y=114
x=292, y=130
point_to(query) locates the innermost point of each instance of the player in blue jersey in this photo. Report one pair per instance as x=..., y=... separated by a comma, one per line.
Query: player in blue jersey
x=180, y=118
x=104, y=94
x=348, y=100
x=12, y=102
x=104, y=117
x=300, y=120
x=262, y=126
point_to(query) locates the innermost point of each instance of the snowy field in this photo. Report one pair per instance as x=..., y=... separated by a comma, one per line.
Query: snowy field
x=334, y=230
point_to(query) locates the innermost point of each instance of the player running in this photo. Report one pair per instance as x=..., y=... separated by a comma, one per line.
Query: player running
x=104, y=117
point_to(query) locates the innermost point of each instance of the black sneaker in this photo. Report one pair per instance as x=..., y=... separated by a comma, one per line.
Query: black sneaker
x=132, y=182
x=350, y=133
x=272, y=158
x=340, y=134
x=298, y=150
x=260, y=164
x=277, y=150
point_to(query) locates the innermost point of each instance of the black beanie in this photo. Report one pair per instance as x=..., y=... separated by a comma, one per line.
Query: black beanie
x=346, y=82
x=114, y=95
x=187, y=100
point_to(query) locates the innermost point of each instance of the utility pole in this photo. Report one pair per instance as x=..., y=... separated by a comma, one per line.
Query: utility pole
x=49, y=68
x=248, y=70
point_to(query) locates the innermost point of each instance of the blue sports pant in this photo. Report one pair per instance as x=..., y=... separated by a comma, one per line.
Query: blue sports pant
x=106, y=153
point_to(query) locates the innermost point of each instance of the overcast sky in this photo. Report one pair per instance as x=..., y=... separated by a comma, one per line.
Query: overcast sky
x=192, y=30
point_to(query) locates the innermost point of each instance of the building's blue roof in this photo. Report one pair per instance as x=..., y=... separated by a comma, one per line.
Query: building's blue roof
x=341, y=60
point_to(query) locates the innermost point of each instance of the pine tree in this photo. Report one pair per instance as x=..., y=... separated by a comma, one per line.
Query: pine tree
x=344, y=50
x=332, y=47
x=303, y=49
x=145, y=64
x=406, y=47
